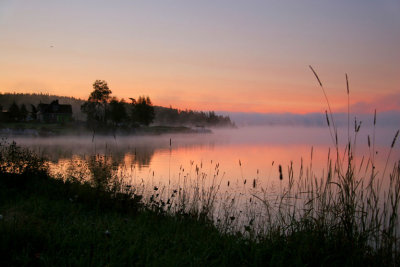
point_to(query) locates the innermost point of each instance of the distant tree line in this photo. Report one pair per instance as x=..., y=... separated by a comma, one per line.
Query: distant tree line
x=18, y=113
x=162, y=115
x=33, y=100
x=172, y=116
x=102, y=110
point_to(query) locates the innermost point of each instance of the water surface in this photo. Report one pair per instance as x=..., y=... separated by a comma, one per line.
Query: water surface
x=241, y=154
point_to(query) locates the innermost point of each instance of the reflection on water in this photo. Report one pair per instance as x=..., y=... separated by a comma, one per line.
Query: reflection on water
x=260, y=150
x=231, y=174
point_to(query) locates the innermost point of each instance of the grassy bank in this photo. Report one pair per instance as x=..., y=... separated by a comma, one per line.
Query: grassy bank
x=48, y=221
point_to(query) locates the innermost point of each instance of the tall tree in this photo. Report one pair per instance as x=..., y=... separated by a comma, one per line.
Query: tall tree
x=23, y=113
x=96, y=105
x=143, y=110
x=117, y=111
x=33, y=112
x=13, y=111
x=101, y=92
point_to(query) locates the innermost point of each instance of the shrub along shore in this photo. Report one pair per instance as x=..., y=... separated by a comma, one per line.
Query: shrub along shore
x=49, y=221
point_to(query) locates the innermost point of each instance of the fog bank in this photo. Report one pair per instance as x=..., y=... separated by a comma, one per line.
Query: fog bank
x=384, y=119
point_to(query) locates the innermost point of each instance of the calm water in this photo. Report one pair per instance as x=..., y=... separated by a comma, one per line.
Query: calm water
x=238, y=169
x=239, y=154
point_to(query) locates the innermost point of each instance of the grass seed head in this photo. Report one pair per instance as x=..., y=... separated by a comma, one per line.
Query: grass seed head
x=327, y=117
x=316, y=75
x=394, y=139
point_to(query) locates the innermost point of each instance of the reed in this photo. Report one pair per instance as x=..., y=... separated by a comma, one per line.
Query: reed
x=349, y=214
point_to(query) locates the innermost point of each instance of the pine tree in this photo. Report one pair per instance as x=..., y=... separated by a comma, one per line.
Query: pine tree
x=14, y=112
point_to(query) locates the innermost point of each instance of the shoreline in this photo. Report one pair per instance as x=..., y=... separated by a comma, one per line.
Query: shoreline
x=53, y=130
x=46, y=220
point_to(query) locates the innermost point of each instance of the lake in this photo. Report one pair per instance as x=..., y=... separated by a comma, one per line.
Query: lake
x=238, y=165
x=259, y=149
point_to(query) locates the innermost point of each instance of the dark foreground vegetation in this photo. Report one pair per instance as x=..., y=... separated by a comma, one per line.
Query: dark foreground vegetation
x=96, y=222
x=348, y=217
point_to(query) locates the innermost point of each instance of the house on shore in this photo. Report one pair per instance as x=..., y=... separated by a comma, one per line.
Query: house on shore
x=54, y=112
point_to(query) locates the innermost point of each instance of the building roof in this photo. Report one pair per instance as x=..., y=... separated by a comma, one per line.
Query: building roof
x=55, y=107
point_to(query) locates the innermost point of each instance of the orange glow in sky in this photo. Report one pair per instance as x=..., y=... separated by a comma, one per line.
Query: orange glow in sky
x=230, y=55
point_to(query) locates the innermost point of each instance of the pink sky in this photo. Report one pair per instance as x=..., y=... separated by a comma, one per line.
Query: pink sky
x=229, y=55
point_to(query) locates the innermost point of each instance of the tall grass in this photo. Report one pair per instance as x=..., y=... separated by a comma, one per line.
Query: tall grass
x=352, y=208
x=348, y=204
x=353, y=203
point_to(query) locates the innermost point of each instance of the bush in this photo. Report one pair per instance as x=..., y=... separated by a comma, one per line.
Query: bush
x=18, y=160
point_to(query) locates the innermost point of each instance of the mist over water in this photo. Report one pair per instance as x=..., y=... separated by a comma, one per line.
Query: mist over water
x=237, y=168
x=259, y=149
